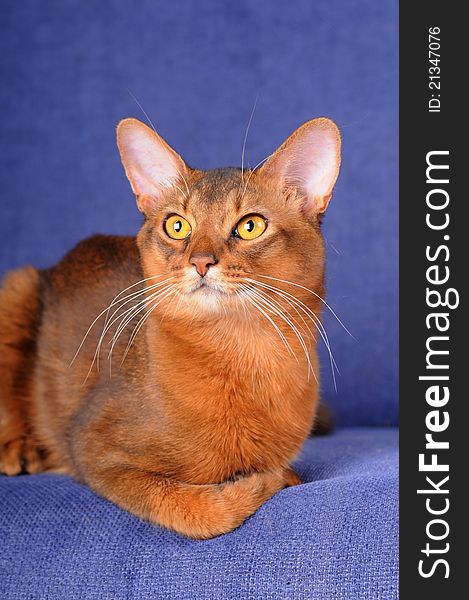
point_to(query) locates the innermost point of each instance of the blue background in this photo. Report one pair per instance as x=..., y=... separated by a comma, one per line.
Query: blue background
x=197, y=67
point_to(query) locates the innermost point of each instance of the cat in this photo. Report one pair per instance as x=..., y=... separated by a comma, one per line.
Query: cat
x=176, y=373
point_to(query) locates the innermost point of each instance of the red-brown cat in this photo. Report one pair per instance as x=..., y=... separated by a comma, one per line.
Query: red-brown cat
x=195, y=388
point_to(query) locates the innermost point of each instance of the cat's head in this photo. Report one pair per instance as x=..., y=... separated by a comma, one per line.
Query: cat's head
x=214, y=234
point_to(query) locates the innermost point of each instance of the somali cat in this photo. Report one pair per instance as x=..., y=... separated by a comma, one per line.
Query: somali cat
x=176, y=373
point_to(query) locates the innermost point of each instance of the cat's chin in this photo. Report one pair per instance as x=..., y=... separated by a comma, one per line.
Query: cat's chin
x=208, y=299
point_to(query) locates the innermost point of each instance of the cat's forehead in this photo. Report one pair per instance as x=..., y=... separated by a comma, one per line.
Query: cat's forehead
x=217, y=187
x=225, y=192
x=222, y=195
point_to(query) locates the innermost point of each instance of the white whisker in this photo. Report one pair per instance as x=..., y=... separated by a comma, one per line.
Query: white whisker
x=313, y=318
x=143, y=319
x=170, y=303
x=247, y=294
x=311, y=292
x=141, y=291
x=122, y=316
x=153, y=127
x=309, y=313
x=269, y=302
x=107, y=309
x=246, y=136
x=251, y=172
x=289, y=302
x=109, y=319
x=132, y=313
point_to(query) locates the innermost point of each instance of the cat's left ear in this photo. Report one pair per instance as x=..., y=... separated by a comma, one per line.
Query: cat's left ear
x=309, y=161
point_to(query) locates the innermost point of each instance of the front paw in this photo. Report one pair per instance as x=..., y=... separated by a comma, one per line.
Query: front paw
x=19, y=456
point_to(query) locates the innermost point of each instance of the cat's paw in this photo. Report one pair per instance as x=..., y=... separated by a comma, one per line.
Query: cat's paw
x=20, y=456
x=291, y=478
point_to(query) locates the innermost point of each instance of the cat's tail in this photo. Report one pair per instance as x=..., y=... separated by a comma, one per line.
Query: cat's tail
x=20, y=315
x=323, y=421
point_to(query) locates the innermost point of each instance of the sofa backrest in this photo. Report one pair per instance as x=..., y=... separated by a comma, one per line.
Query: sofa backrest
x=197, y=68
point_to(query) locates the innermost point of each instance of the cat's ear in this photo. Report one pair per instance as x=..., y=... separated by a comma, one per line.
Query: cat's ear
x=150, y=164
x=309, y=162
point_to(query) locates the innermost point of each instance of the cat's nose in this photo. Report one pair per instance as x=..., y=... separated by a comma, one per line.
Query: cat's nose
x=202, y=263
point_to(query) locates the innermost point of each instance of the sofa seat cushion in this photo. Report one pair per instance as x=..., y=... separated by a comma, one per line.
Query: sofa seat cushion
x=333, y=537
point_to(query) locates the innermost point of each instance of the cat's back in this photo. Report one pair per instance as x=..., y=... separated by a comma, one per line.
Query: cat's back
x=93, y=262
x=73, y=293
x=76, y=290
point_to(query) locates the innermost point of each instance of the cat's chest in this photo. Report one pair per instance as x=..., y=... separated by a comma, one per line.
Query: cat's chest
x=244, y=391
x=234, y=409
x=239, y=423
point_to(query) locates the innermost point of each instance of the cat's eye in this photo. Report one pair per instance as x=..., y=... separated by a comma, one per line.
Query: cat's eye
x=177, y=227
x=250, y=227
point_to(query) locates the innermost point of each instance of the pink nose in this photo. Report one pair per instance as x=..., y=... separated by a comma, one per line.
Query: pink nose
x=202, y=262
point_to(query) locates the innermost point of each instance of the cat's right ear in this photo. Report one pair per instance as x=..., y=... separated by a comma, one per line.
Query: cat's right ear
x=308, y=161
x=150, y=164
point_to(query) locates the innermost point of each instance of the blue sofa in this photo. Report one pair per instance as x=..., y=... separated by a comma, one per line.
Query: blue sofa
x=197, y=68
x=332, y=538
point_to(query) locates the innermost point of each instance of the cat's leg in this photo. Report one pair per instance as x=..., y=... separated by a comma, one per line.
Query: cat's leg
x=20, y=455
x=197, y=511
x=19, y=316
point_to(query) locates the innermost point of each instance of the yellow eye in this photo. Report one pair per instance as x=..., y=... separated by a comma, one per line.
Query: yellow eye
x=177, y=227
x=250, y=227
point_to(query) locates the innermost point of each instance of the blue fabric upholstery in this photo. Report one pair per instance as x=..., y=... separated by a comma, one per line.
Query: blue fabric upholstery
x=332, y=538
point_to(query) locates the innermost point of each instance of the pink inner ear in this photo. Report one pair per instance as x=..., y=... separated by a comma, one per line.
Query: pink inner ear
x=150, y=164
x=313, y=163
x=310, y=160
